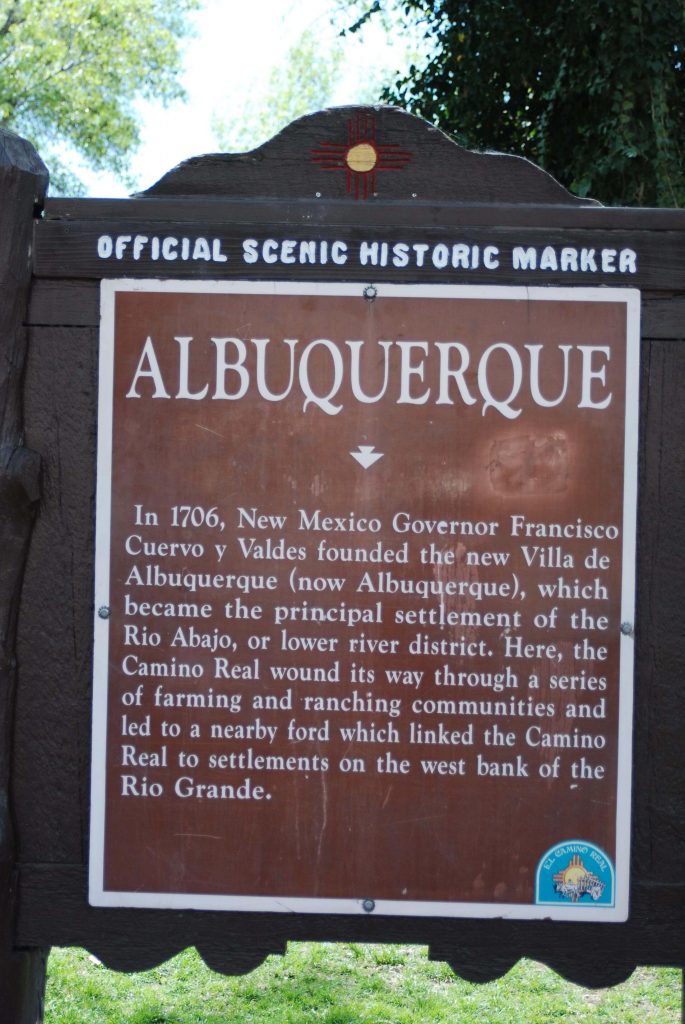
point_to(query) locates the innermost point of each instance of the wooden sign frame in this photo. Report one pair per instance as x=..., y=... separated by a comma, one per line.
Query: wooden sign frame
x=254, y=210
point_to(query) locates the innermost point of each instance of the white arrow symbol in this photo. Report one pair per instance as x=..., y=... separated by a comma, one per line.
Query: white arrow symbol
x=366, y=455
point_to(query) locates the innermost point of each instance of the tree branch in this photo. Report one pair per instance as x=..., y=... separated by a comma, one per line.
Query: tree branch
x=12, y=18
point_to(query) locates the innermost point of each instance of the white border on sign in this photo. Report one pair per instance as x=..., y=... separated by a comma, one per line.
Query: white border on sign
x=98, y=896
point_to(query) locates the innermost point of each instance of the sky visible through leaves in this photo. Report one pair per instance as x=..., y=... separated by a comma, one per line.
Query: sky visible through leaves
x=230, y=65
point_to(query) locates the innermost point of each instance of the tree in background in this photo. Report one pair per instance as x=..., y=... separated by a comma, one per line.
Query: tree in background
x=307, y=79
x=591, y=90
x=70, y=71
x=302, y=83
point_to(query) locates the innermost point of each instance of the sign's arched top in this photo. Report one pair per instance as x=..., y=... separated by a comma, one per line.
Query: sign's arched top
x=366, y=153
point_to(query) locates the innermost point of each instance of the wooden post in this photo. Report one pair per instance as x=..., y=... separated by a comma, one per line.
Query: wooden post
x=23, y=181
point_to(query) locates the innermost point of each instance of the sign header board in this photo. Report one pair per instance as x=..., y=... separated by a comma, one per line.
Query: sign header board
x=363, y=557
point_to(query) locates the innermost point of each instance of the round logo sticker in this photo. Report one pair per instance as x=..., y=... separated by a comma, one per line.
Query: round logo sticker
x=577, y=873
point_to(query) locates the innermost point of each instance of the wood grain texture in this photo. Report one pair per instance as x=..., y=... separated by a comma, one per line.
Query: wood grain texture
x=23, y=180
x=334, y=212
x=435, y=167
x=660, y=663
x=53, y=901
x=663, y=316
x=61, y=303
x=52, y=744
x=70, y=250
x=64, y=303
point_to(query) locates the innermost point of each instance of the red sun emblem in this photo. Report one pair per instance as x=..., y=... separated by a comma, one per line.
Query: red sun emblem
x=361, y=157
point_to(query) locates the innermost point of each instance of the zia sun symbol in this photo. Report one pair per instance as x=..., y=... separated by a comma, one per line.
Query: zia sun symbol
x=575, y=881
x=361, y=157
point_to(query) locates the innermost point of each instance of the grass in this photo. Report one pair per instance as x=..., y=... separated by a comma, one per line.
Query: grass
x=317, y=983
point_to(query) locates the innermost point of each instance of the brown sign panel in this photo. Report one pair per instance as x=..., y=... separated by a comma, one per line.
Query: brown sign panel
x=364, y=591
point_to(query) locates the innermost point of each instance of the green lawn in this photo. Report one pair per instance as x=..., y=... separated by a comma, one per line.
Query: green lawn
x=346, y=984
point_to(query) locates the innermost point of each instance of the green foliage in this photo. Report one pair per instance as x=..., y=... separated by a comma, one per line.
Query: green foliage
x=70, y=71
x=591, y=90
x=326, y=65
x=302, y=83
x=345, y=984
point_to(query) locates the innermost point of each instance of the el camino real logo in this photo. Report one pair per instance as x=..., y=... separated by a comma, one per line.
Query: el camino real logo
x=575, y=872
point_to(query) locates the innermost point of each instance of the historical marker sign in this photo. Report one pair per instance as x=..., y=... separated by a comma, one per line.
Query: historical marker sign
x=363, y=558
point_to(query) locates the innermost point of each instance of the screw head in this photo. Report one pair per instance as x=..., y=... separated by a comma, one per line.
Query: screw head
x=104, y=612
x=369, y=906
x=370, y=292
x=627, y=628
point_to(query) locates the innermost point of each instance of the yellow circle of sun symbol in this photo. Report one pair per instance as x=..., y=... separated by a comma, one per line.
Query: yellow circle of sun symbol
x=574, y=874
x=361, y=158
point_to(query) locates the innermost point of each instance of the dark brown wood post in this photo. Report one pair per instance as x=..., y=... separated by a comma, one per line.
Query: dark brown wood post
x=23, y=181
